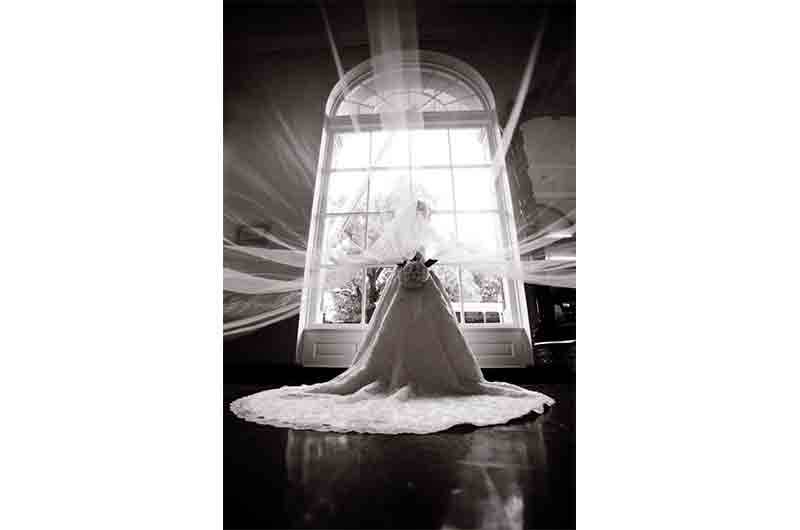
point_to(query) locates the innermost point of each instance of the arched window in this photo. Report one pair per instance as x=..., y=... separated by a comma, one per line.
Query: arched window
x=443, y=149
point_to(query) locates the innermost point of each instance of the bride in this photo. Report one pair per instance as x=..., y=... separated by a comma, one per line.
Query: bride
x=413, y=372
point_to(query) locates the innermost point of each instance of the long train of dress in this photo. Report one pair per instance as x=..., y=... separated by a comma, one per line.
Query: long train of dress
x=413, y=373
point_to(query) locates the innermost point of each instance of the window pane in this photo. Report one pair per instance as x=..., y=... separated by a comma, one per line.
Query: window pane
x=475, y=189
x=342, y=303
x=393, y=101
x=385, y=186
x=377, y=280
x=343, y=234
x=347, y=191
x=417, y=100
x=448, y=275
x=370, y=105
x=434, y=186
x=470, y=146
x=445, y=99
x=417, y=90
x=430, y=147
x=350, y=150
x=390, y=148
x=480, y=232
x=436, y=101
x=473, y=317
x=484, y=297
x=375, y=226
x=469, y=103
x=444, y=225
x=346, y=109
x=363, y=94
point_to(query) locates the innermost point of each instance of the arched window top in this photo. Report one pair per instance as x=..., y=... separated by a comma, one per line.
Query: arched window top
x=410, y=81
x=422, y=122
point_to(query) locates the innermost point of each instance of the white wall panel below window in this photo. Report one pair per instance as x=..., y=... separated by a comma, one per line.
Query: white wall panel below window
x=494, y=347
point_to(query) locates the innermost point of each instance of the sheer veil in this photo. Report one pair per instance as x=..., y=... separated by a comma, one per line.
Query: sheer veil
x=407, y=228
x=271, y=165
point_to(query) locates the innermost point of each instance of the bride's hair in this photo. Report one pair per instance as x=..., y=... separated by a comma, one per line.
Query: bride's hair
x=424, y=209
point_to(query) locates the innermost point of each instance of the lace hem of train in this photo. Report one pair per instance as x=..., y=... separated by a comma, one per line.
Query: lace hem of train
x=371, y=411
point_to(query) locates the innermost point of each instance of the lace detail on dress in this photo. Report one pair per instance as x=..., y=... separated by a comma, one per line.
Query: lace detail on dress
x=418, y=382
x=371, y=411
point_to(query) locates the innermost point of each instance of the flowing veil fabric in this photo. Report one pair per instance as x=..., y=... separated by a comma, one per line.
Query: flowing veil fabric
x=413, y=373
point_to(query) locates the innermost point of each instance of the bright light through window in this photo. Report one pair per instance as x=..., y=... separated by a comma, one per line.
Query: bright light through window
x=448, y=162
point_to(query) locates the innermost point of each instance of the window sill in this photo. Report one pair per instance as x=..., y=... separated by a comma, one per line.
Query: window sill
x=495, y=346
x=363, y=327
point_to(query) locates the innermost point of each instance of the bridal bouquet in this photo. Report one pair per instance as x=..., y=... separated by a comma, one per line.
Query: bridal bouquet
x=414, y=273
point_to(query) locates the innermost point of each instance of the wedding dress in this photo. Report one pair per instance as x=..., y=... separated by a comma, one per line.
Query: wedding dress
x=413, y=373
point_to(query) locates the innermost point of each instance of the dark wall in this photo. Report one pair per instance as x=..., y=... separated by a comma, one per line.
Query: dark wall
x=275, y=344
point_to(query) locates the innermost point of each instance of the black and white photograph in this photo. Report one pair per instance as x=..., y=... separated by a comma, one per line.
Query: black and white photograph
x=399, y=265
x=313, y=264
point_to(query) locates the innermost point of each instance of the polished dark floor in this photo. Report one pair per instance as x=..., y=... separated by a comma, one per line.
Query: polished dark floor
x=518, y=475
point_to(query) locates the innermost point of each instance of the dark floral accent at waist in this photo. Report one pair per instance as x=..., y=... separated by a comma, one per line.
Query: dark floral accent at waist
x=417, y=257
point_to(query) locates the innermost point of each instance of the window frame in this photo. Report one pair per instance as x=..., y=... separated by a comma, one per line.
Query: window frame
x=486, y=119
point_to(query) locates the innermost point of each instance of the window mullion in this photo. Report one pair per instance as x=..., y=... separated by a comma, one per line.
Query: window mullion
x=366, y=235
x=455, y=220
x=500, y=182
x=364, y=297
x=317, y=251
x=408, y=167
x=461, y=297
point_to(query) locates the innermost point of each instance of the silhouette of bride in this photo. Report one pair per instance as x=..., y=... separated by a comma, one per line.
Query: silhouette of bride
x=413, y=372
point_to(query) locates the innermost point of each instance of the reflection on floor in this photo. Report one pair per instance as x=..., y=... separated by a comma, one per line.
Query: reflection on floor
x=518, y=475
